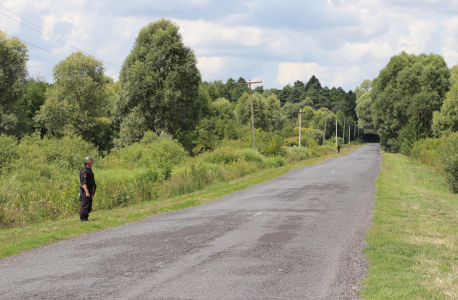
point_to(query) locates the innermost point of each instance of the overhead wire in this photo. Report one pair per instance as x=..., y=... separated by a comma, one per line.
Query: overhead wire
x=48, y=51
x=49, y=35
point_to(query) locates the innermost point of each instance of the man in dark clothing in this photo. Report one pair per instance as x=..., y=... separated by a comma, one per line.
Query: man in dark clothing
x=88, y=188
x=338, y=149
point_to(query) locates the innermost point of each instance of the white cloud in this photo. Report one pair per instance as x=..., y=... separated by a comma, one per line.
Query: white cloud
x=341, y=42
x=290, y=72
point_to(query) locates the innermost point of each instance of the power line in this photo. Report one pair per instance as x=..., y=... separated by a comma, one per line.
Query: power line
x=15, y=37
x=49, y=35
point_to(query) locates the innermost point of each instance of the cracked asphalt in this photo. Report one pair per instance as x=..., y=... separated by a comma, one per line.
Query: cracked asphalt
x=298, y=236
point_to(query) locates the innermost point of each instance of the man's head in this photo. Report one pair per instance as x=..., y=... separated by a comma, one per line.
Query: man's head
x=88, y=161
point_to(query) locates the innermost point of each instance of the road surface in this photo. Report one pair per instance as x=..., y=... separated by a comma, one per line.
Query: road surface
x=298, y=236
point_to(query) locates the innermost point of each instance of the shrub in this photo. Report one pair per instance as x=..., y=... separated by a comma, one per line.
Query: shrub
x=272, y=145
x=251, y=155
x=427, y=152
x=8, y=152
x=297, y=154
x=222, y=155
x=329, y=148
x=306, y=141
x=449, y=159
x=275, y=162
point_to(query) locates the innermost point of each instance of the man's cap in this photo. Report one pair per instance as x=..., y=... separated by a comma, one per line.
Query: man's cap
x=88, y=159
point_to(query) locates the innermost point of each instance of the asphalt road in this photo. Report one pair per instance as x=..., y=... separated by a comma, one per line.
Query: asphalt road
x=298, y=236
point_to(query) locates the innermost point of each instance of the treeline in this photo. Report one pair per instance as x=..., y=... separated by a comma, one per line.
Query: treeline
x=412, y=105
x=160, y=90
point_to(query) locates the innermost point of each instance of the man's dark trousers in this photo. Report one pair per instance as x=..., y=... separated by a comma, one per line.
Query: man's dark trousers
x=86, y=206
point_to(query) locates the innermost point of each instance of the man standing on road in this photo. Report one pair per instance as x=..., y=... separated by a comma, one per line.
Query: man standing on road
x=361, y=142
x=87, y=188
x=338, y=149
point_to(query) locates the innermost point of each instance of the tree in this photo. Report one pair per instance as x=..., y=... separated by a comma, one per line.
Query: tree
x=446, y=121
x=409, y=86
x=313, y=83
x=159, y=84
x=77, y=101
x=364, y=102
x=34, y=96
x=237, y=90
x=13, y=74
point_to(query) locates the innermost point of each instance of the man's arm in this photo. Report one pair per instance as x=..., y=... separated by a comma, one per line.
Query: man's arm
x=86, y=190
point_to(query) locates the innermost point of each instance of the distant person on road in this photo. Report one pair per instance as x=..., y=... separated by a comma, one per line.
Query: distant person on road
x=338, y=149
x=361, y=142
x=87, y=188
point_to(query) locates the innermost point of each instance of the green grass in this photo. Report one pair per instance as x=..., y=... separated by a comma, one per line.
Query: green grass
x=17, y=240
x=413, y=244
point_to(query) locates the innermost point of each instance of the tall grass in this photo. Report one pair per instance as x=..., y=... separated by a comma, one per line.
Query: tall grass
x=40, y=177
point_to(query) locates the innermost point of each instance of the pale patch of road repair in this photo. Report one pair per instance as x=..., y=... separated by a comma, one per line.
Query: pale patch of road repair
x=255, y=215
x=307, y=245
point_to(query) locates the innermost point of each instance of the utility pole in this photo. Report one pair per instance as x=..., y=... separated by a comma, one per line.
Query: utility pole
x=354, y=132
x=249, y=83
x=300, y=124
x=343, y=132
x=336, y=132
x=325, y=123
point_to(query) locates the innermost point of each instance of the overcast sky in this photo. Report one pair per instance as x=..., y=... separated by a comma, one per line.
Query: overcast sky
x=340, y=42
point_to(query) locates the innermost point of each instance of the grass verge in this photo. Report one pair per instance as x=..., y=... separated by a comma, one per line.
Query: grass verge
x=17, y=240
x=413, y=244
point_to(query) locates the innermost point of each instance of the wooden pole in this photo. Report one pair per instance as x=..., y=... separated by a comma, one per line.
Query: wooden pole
x=325, y=123
x=300, y=124
x=252, y=119
x=249, y=83
x=354, y=132
x=336, y=131
x=343, y=132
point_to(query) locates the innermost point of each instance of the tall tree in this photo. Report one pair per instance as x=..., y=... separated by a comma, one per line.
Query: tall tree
x=446, y=121
x=409, y=86
x=363, y=106
x=313, y=83
x=159, y=84
x=77, y=101
x=13, y=74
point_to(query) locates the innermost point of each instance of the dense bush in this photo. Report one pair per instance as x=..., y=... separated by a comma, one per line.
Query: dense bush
x=427, y=151
x=449, y=159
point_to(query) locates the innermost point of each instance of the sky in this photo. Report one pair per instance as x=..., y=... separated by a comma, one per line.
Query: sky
x=340, y=42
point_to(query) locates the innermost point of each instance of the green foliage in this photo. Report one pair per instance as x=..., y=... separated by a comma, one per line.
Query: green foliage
x=411, y=133
x=159, y=84
x=34, y=96
x=266, y=111
x=77, y=101
x=449, y=160
x=151, y=151
x=223, y=155
x=427, y=151
x=13, y=74
x=275, y=162
x=446, y=121
x=271, y=144
x=408, y=86
x=364, y=102
x=8, y=152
